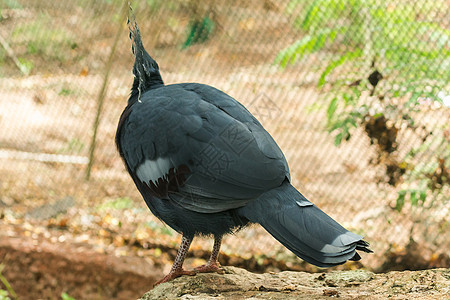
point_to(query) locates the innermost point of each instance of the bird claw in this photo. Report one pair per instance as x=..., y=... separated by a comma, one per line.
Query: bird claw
x=210, y=268
x=175, y=274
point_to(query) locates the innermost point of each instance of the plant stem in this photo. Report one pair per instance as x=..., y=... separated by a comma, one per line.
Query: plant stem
x=11, y=54
x=6, y=283
x=102, y=94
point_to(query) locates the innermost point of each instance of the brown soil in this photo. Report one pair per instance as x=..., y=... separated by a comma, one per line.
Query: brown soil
x=44, y=270
x=41, y=269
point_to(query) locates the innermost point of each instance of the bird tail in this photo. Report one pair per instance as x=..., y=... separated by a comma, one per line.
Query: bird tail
x=303, y=228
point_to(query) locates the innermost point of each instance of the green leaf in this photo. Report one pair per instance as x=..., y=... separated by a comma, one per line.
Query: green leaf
x=400, y=200
x=348, y=98
x=318, y=43
x=4, y=295
x=332, y=108
x=25, y=65
x=65, y=296
x=311, y=14
x=338, y=139
x=413, y=197
x=293, y=52
x=351, y=121
x=335, y=125
x=357, y=92
x=199, y=32
x=422, y=197
x=306, y=45
x=334, y=64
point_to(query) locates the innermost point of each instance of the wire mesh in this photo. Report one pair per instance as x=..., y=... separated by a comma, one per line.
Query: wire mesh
x=371, y=76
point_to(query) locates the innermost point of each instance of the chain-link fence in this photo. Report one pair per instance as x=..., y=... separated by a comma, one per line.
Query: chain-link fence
x=356, y=93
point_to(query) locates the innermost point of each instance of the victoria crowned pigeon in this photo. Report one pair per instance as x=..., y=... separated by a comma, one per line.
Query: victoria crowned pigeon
x=206, y=166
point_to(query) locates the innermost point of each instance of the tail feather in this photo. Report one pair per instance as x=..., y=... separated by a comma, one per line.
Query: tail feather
x=307, y=253
x=309, y=236
x=303, y=228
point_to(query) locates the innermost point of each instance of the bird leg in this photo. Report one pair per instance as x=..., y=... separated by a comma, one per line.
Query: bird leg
x=177, y=267
x=213, y=264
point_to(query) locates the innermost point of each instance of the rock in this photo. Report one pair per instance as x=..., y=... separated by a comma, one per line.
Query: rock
x=239, y=284
x=51, y=210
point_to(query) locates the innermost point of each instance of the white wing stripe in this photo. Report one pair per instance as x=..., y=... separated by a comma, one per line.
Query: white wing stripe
x=151, y=170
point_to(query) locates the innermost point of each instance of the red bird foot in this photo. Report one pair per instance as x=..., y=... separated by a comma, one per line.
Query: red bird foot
x=210, y=268
x=174, y=274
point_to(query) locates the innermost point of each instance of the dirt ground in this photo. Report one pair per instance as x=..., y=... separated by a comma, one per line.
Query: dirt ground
x=39, y=268
x=43, y=270
x=43, y=262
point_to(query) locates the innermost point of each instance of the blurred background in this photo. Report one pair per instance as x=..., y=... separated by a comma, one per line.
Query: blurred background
x=356, y=93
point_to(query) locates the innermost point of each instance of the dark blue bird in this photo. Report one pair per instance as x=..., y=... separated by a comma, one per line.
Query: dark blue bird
x=205, y=166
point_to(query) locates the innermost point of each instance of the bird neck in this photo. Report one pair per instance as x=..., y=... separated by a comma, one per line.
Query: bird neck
x=148, y=83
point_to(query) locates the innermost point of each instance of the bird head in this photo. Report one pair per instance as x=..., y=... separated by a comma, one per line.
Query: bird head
x=145, y=69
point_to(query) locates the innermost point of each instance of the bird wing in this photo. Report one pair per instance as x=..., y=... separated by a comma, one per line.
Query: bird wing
x=197, y=146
